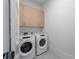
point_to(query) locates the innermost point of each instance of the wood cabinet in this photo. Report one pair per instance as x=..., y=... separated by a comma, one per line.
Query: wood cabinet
x=31, y=17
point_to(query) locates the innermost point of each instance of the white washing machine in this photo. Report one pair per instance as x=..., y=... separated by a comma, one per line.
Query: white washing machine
x=41, y=43
x=26, y=47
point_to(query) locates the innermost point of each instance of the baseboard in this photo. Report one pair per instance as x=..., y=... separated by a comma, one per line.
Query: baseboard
x=61, y=54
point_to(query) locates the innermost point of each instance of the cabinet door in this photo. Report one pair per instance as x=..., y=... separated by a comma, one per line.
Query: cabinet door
x=21, y=15
x=38, y=16
x=31, y=17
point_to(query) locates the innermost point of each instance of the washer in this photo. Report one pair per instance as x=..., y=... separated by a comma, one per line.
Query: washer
x=26, y=47
x=41, y=43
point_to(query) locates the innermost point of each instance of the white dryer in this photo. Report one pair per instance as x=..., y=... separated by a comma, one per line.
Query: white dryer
x=41, y=43
x=26, y=47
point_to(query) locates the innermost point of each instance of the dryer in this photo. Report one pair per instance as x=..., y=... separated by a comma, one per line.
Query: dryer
x=26, y=47
x=41, y=43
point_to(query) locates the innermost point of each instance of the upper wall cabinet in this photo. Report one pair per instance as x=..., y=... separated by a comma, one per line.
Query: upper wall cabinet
x=31, y=17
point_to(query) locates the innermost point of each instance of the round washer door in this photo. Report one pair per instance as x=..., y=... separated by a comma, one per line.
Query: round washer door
x=42, y=42
x=26, y=48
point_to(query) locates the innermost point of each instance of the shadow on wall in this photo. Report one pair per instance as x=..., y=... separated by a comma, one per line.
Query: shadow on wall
x=60, y=25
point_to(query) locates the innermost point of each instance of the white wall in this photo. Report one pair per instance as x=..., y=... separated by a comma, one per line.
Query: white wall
x=14, y=23
x=59, y=24
x=5, y=26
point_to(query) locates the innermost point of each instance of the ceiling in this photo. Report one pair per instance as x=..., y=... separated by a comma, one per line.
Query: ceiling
x=39, y=1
